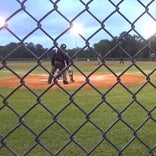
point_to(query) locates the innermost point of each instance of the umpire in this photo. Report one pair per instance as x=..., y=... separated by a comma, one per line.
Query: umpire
x=58, y=62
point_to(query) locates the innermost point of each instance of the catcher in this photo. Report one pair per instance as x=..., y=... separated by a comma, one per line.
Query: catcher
x=70, y=72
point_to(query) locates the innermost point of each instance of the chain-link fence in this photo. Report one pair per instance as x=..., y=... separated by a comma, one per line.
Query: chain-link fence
x=117, y=119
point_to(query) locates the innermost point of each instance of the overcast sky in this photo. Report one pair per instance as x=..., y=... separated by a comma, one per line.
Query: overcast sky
x=53, y=25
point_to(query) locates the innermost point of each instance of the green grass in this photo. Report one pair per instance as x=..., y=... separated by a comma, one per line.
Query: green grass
x=103, y=122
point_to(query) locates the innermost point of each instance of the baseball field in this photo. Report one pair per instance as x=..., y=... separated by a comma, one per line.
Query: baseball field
x=109, y=110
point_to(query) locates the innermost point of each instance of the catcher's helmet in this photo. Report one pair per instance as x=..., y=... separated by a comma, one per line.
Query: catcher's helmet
x=63, y=46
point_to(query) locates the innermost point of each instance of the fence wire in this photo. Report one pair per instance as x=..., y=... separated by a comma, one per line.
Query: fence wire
x=53, y=136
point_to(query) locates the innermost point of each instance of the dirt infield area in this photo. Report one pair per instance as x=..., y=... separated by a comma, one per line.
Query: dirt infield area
x=97, y=80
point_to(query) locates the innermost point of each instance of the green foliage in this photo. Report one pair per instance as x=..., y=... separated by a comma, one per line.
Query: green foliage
x=103, y=123
x=72, y=118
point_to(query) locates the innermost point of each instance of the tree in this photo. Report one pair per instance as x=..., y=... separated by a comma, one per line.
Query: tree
x=102, y=47
x=124, y=45
x=130, y=43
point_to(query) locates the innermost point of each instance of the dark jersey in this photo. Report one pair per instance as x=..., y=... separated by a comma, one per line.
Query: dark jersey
x=60, y=56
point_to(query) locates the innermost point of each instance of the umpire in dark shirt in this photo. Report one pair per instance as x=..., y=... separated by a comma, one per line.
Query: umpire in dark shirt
x=59, y=61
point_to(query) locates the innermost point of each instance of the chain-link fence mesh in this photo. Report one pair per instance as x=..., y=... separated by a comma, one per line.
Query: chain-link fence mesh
x=119, y=119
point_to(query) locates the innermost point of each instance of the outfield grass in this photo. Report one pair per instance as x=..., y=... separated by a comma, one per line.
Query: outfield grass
x=105, y=121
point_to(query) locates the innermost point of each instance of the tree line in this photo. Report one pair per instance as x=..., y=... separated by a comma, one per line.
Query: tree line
x=124, y=45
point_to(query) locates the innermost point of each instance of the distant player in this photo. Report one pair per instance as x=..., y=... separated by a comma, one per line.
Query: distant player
x=121, y=60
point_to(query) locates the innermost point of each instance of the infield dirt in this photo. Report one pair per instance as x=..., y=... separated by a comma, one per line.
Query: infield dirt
x=96, y=80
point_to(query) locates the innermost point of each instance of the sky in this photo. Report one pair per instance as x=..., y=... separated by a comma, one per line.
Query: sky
x=42, y=22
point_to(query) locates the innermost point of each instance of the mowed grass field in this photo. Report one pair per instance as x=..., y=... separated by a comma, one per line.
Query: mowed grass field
x=77, y=122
